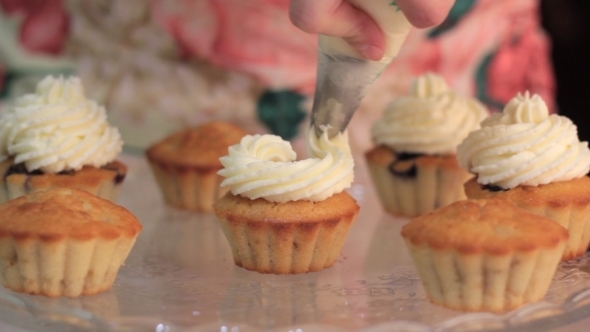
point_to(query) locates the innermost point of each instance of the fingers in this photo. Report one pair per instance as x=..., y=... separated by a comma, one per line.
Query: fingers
x=425, y=13
x=340, y=19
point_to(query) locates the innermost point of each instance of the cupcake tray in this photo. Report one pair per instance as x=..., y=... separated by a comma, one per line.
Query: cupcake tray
x=180, y=276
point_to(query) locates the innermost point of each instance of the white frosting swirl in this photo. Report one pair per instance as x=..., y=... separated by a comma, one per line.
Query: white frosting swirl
x=264, y=166
x=524, y=145
x=432, y=119
x=57, y=129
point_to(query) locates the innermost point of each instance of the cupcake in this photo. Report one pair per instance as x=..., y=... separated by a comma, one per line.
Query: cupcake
x=185, y=164
x=484, y=255
x=57, y=138
x=63, y=242
x=284, y=216
x=535, y=161
x=413, y=165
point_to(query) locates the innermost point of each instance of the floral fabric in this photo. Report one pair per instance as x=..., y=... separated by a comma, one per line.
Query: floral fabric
x=217, y=57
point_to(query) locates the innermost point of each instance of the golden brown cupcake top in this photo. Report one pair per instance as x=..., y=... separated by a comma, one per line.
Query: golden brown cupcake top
x=556, y=194
x=199, y=147
x=57, y=214
x=488, y=225
x=88, y=176
x=242, y=209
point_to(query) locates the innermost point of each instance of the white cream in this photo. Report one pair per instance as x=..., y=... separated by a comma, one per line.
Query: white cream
x=264, y=166
x=57, y=129
x=524, y=145
x=431, y=119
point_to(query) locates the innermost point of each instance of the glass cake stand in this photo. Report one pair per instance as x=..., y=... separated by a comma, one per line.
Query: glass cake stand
x=180, y=276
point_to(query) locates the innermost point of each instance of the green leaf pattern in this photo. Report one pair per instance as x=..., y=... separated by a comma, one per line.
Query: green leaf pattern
x=281, y=112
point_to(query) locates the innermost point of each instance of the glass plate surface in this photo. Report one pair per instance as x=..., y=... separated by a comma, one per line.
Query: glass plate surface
x=180, y=276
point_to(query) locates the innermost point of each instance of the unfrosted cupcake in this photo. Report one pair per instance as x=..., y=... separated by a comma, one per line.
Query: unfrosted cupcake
x=535, y=161
x=63, y=242
x=413, y=166
x=57, y=138
x=284, y=216
x=484, y=255
x=185, y=164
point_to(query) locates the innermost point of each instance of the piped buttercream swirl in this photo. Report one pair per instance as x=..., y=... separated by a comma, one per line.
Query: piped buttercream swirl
x=265, y=166
x=525, y=145
x=431, y=119
x=57, y=129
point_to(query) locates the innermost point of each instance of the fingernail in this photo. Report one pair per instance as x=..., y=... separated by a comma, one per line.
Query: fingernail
x=370, y=52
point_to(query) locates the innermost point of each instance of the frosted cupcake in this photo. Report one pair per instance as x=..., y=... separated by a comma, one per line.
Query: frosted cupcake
x=413, y=166
x=57, y=138
x=284, y=216
x=536, y=161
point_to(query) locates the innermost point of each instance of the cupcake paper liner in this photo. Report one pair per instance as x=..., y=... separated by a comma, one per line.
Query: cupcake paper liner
x=286, y=238
x=485, y=282
x=188, y=189
x=61, y=268
x=286, y=248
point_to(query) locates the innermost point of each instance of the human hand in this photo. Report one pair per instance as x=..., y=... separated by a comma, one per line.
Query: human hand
x=339, y=18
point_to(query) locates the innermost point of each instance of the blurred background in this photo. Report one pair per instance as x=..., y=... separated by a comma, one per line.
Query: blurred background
x=568, y=24
x=164, y=64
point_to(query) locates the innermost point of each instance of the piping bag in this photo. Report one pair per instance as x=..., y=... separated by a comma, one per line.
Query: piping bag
x=344, y=75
